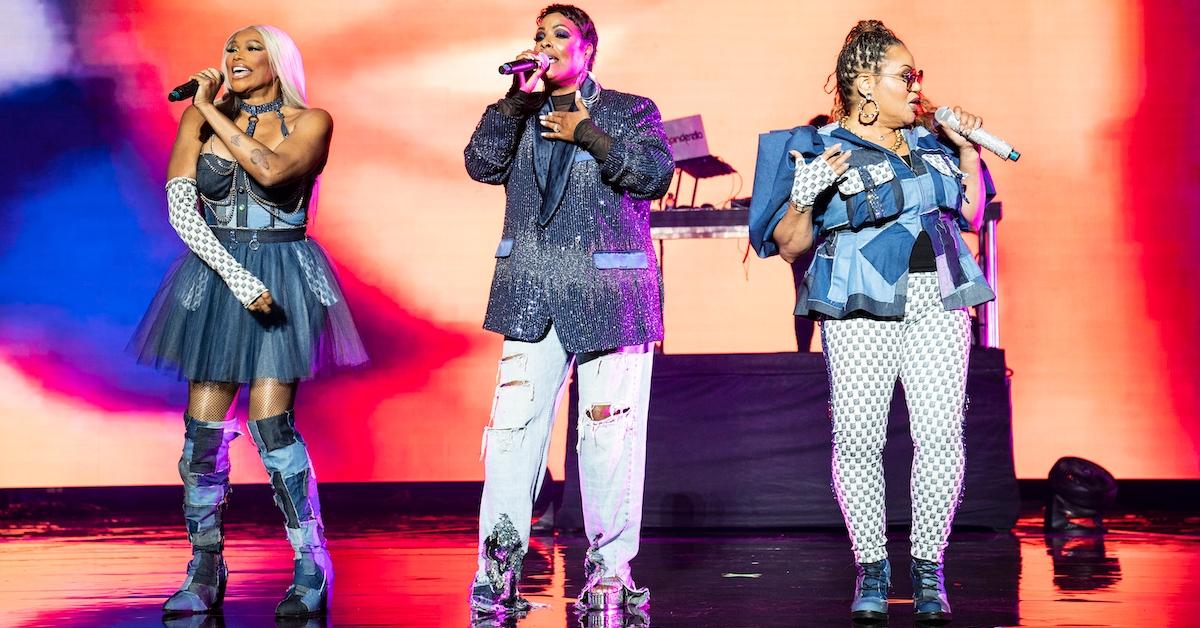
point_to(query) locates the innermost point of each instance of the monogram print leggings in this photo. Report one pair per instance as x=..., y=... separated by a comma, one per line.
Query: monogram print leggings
x=928, y=350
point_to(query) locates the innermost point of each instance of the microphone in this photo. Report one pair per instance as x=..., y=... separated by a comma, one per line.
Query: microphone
x=524, y=65
x=187, y=90
x=945, y=115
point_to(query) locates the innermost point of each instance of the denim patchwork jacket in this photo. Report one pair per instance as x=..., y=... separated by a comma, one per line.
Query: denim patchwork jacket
x=588, y=264
x=865, y=225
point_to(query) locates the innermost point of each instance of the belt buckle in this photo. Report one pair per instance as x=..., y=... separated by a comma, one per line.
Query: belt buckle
x=254, y=240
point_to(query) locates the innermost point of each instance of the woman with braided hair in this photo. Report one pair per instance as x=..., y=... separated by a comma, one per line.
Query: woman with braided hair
x=884, y=201
x=254, y=302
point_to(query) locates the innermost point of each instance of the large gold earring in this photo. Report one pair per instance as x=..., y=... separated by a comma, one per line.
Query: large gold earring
x=863, y=116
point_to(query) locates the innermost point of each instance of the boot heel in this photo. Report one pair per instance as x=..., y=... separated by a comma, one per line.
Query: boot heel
x=871, y=591
x=605, y=599
x=220, y=601
x=929, y=592
x=612, y=594
x=306, y=597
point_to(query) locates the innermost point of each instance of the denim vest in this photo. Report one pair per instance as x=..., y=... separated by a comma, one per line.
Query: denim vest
x=865, y=225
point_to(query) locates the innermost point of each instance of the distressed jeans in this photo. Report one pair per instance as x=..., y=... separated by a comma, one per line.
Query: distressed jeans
x=614, y=397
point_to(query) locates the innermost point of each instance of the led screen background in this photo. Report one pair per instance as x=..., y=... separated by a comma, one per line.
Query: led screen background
x=1098, y=280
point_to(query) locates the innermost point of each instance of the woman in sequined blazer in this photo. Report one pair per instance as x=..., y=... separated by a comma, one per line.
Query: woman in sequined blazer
x=576, y=279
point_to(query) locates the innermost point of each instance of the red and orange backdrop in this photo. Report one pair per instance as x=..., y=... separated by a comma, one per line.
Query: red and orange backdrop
x=1099, y=281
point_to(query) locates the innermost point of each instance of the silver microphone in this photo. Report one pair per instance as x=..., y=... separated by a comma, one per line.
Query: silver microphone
x=946, y=116
x=525, y=65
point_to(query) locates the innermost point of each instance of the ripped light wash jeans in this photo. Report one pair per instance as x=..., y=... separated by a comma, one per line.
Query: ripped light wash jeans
x=614, y=397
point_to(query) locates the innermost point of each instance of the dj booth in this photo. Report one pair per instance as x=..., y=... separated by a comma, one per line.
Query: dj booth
x=743, y=440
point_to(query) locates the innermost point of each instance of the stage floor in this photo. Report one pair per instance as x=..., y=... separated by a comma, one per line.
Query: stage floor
x=414, y=572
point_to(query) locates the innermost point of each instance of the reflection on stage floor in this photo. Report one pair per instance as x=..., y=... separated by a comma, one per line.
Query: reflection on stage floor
x=414, y=571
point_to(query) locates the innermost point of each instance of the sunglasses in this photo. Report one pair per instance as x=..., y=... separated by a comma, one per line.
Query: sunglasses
x=910, y=77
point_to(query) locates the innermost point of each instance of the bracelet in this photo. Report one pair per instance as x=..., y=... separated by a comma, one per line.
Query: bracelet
x=800, y=209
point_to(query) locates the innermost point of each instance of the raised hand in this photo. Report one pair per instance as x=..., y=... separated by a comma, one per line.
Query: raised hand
x=527, y=81
x=812, y=178
x=967, y=122
x=210, y=83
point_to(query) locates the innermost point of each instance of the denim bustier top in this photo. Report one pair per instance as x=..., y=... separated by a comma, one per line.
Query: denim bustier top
x=231, y=198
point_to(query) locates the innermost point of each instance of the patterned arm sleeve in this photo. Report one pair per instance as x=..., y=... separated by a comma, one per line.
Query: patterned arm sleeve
x=489, y=155
x=639, y=159
x=196, y=234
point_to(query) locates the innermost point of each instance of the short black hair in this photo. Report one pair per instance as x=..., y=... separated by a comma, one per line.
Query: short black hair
x=582, y=21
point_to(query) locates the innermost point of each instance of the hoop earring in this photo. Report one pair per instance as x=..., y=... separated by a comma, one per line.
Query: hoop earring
x=863, y=117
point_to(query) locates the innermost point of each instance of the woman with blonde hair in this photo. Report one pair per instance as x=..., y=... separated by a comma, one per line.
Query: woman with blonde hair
x=253, y=302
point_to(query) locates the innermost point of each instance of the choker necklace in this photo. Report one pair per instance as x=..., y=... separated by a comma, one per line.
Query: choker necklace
x=275, y=105
x=895, y=145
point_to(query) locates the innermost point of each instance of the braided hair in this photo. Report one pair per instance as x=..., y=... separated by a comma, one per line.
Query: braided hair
x=863, y=51
x=582, y=21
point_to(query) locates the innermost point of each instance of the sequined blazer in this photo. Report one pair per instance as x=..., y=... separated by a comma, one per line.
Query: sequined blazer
x=591, y=271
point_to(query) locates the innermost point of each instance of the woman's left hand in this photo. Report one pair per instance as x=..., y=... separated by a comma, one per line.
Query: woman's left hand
x=561, y=125
x=968, y=122
x=262, y=305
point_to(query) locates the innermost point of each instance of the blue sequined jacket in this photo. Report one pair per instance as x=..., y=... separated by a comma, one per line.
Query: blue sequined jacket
x=591, y=270
x=865, y=225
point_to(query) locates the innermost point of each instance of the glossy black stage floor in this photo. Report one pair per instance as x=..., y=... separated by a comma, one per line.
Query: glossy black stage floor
x=112, y=570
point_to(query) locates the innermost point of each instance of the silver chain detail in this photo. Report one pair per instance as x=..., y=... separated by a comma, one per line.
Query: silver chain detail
x=226, y=216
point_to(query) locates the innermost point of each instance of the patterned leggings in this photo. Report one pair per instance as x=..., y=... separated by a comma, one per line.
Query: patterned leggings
x=928, y=350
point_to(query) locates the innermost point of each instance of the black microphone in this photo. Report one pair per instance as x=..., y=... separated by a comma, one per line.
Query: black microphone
x=187, y=90
x=525, y=65
x=945, y=115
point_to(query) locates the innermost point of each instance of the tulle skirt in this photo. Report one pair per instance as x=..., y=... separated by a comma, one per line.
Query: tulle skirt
x=196, y=327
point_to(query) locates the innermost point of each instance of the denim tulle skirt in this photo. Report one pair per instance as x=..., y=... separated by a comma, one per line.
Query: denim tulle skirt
x=196, y=327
